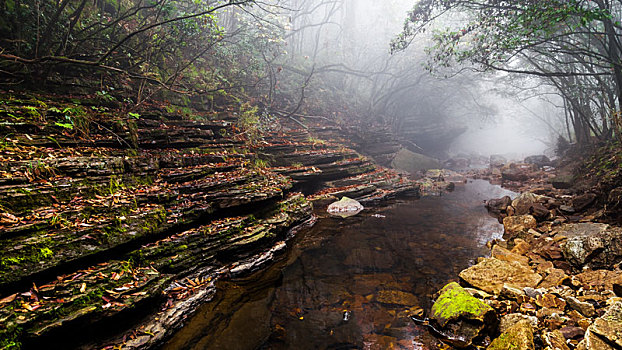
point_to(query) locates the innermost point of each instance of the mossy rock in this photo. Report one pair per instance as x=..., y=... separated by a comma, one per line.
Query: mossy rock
x=454, y=303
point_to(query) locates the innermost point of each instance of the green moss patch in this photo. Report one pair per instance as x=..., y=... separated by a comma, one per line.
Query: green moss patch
x=454, y=302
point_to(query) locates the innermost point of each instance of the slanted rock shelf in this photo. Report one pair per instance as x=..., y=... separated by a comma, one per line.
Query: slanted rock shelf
x=106, y=244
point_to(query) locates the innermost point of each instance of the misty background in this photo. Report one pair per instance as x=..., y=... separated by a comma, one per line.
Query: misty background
x=339, y=51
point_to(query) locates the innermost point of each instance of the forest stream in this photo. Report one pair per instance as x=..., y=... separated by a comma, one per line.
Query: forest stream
x=351, y=283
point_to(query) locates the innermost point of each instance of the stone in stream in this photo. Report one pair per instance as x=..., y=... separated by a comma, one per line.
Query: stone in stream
x=345, y=207
x=519, y=336
x=461, y=317
x=491, y=274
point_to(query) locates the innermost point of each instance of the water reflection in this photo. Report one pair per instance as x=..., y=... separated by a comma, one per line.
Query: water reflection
x=351, y=283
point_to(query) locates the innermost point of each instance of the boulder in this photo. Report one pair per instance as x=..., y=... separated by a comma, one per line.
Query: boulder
x=524, y=201
x=538, y=160
x=609, y=326
x=462, y=317
x=491, y=274
x=591, y=244
x=518, y=226
x=540, y=212
x=515, y=174
x=519, y=336
x=498, y=205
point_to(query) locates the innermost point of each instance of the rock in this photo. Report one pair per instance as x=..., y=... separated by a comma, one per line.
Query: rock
x=609, y=326
x=539, y=160
x=515, y=174
x=519, y=336
x=562, y=181
x=345, y=207
x=497, y=161
x=591, y=244
x=598, y=279
x=518, y=226
x=454, y=302
x=540, y=212
x=554, y=277
x=555, y=340
x=498, y=205
x=509, y=320
x=583, y=201
x=585, y=308
x=524, y=201
x=593, y=341
x=532, y=292
x=511, y=292
x=521, y=247
x=571, y=332
x=461, y=317
x=491, y=274
x=506, y=255
x=617, y=289
x=550, y=301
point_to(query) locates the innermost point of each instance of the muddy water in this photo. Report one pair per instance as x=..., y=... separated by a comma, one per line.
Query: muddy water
x=351, y=283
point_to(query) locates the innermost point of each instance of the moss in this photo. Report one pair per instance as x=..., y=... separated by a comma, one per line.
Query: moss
x=455, y=302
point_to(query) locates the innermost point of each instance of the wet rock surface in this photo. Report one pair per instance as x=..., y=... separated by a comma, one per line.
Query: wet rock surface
x=94, y=232
x=554, y=279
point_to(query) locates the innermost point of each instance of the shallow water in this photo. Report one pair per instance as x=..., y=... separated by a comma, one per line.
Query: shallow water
x=351, y=283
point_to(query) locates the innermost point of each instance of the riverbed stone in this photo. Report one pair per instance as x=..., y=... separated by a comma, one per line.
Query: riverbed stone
x=462, y=317
x=555, y=340
x=519, y=336
x=609, y=326
x=524, y=201
x=396, y=297
x=510, y=320
x=503, y=254
x=591, y=244
x=585, y=308
x=454, y=302
x=518, y=226
x=491, y=274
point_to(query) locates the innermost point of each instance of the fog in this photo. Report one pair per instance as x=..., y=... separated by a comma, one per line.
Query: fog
x=339, y=51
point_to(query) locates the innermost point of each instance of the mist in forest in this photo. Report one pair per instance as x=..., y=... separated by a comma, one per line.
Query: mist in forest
x=345, y=44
